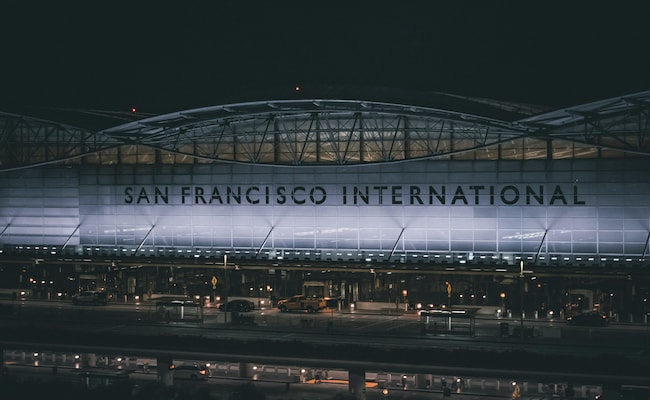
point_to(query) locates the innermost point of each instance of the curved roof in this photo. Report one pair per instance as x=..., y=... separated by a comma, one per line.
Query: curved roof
x=323, y=131
x=318, y=131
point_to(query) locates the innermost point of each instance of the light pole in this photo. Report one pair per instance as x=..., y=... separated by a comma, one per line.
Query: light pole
x=448, y=294
x=225, y=288
x=521, y=279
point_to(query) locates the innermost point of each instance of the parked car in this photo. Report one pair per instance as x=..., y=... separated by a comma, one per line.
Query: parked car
x=90, y=297
x=591, y=318
x=192, y=372
x=238, y=305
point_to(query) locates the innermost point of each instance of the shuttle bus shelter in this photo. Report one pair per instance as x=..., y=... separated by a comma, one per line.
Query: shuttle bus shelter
x=448, y=321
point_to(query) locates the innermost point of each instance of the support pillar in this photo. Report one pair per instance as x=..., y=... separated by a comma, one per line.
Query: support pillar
x=245, y=370
x=165, y=374
x=89, y=360
x=357, y=383
x=420, y=381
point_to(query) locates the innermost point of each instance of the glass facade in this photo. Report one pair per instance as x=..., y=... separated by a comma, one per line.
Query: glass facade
x=591, y=209
x=337, y=179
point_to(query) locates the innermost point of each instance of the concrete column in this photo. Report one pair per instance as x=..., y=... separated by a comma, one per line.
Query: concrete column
x=355, y=291
x=420, y=381
x=245, y=370
x=89, y=360
x=357, y=383
x=165, y=374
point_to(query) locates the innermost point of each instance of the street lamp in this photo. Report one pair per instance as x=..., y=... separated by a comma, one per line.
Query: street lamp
x=521, y=279
x=448, y=294
x=225, y=288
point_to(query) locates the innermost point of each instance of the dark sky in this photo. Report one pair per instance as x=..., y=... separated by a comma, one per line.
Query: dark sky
x=164, y=56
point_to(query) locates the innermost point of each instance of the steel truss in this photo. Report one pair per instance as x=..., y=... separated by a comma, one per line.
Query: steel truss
x=331, y=132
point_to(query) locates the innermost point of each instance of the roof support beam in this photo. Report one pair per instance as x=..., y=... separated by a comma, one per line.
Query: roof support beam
x=268, y=235
x=392, y=252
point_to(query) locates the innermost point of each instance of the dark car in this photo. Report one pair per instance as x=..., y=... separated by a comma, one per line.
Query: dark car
x=192, y=372
x=238, y=305
x=589, y=319
x=90, y=297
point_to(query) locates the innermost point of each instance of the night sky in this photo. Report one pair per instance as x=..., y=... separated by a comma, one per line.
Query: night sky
x=164, y=56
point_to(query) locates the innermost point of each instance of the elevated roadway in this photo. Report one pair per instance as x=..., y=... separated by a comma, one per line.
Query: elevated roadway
x=610, y=355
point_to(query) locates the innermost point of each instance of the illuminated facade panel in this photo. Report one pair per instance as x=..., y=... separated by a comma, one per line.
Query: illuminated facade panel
x=436, y=208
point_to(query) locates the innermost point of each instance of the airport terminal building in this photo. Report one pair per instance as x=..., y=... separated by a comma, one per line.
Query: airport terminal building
x=362, y=198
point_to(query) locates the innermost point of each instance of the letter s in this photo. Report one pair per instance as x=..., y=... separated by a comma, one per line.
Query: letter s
x=128, y=195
